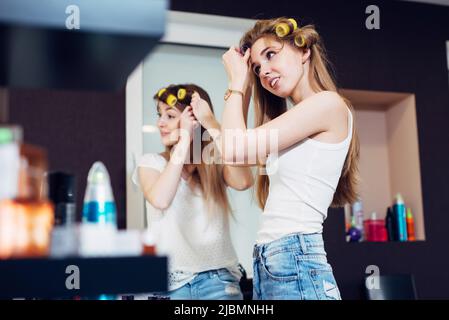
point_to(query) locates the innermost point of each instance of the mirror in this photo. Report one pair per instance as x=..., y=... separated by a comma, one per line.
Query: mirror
x=174, y=63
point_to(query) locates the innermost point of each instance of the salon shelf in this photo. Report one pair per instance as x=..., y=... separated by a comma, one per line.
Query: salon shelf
x=389, y=161
x=46, y=278
x=388, y=243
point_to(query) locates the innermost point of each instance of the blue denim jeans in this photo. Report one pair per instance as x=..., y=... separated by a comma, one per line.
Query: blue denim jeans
x=294, y=267
x=210, y=285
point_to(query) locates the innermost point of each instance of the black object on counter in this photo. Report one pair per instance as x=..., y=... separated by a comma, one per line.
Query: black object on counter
x=391, y=226
x=62, y=192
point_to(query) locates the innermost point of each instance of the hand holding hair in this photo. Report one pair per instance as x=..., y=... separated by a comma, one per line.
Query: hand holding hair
x=201, y=110
x=237, y=68
x=187, y=124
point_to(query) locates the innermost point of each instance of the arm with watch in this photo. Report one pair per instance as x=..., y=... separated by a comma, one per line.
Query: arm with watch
x=246, y=99
x=235, y=113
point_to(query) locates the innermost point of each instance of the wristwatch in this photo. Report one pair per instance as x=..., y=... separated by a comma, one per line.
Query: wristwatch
x=231, y=91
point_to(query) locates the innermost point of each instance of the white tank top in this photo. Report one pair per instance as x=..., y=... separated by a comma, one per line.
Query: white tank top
x=193, y=240
x=303, y=180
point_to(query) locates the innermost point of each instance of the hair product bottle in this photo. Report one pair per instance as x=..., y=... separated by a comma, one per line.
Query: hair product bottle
x=400, y=217
x=391, y=225
x=357, y=211
x=410, y=225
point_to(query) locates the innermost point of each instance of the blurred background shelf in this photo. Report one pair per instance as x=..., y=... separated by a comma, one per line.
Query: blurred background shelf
x=389, y=163
x=46, y=278
x=390, y=243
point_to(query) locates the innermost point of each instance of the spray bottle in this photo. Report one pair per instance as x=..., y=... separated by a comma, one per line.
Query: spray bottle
x=99, y=206
x=357, y=211
x=99, y=225
x=400, y=217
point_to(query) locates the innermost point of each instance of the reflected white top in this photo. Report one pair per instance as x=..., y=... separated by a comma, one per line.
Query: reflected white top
x=193, y=240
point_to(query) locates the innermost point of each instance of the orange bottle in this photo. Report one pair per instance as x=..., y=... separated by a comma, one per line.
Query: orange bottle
x=410, y=225
x=27, y=220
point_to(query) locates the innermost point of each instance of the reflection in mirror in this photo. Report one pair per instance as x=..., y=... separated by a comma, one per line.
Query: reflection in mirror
x=175, y=64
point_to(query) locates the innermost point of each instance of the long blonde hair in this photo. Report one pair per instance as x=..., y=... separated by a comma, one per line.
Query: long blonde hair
x=207, y=175
x=268, y=106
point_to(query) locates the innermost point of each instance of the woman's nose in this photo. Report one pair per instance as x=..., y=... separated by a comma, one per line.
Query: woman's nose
x=161, y=123
x=264, y=70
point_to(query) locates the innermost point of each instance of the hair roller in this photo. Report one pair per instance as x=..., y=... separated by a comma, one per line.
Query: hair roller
x=161, y=92
x=286, y=28
x=300, y=41
x=165, y=96
x=171, y=100
x=182, y=93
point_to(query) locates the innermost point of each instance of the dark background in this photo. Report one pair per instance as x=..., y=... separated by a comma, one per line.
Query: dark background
x=77, y=128
x=407, y=54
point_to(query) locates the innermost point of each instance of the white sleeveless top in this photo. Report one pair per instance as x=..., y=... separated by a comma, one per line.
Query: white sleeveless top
x=303, y=180
x=193, y=240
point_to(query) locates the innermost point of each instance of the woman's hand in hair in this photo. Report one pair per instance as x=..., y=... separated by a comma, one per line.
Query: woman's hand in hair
x=201, y=111
x=187, y=124
x=237, y=68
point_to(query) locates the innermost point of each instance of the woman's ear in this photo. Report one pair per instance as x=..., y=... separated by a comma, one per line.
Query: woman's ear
x=305, y=55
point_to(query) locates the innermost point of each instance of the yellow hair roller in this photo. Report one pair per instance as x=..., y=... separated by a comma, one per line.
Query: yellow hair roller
x=171, y=100
x=182, y=93
x=293, y=21
x=161, y=92
x=285, y=28
x=300, y=41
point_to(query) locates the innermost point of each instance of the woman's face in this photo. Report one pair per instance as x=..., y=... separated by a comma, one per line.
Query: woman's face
x=168, y=123
x=279, y=66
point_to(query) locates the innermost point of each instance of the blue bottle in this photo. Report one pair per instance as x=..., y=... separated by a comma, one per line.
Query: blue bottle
x=400, y=217
x=99, y=210
x=99, y=206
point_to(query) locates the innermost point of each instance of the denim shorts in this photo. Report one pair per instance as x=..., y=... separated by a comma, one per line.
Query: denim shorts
x=294, y=267
x=217, y=284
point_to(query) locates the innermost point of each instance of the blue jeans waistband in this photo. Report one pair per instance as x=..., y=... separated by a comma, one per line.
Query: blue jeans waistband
x=209, y=274
x=297, y=241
